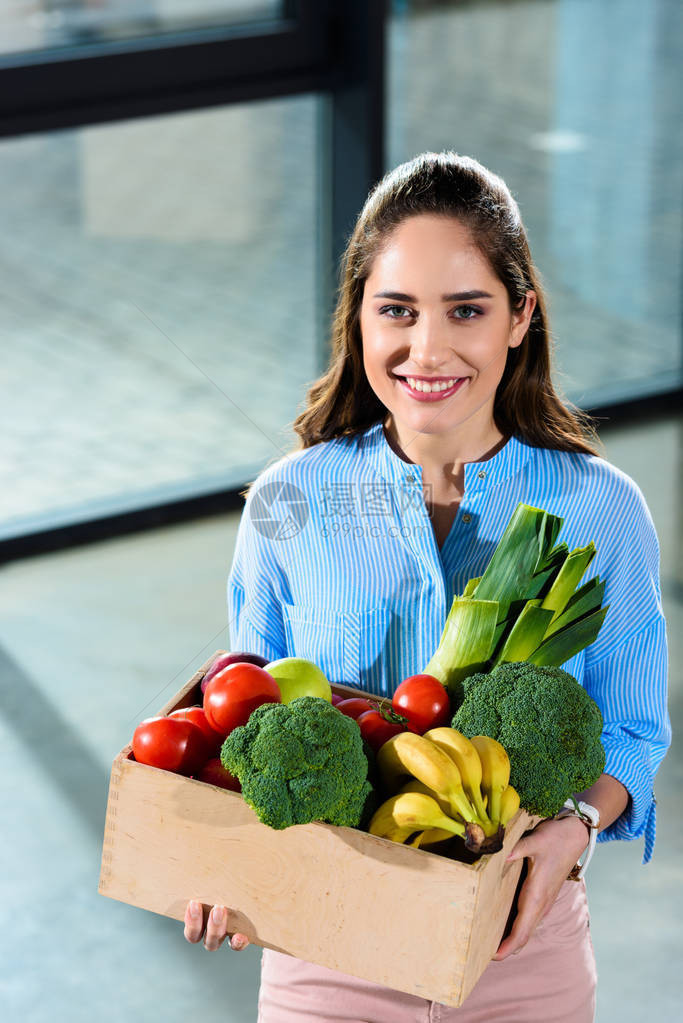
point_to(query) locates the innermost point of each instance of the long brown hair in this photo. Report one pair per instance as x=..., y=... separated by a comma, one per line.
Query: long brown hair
x=342, y=403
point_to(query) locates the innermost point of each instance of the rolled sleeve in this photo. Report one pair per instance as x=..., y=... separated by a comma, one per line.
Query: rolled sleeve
x=630, y=687
x=626, y=668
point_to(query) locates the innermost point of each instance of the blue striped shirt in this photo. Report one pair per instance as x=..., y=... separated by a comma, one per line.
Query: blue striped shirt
x=336, y=561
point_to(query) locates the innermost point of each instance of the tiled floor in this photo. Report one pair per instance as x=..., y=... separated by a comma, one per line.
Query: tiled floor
x=95, y=638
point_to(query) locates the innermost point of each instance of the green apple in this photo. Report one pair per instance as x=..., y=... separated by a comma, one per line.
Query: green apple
x=298, y=677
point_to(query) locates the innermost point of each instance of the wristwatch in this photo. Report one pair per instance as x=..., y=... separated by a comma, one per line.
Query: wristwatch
x=591, y=818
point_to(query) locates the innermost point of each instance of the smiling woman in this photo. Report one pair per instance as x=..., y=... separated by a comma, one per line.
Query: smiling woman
x=436, y=418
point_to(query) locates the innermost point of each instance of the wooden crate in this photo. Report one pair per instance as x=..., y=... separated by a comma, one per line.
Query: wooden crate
x=406, y=918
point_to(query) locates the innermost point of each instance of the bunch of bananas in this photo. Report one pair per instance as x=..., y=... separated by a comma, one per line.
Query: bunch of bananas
x=443, y=784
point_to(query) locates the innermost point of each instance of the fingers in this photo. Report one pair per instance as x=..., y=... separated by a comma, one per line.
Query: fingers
x=531, y=903
x=216, y=927
x=520, y=850
x=523, y=927
x=194, y=921
x=536, y=899
x=515, y=941
x=550, y=850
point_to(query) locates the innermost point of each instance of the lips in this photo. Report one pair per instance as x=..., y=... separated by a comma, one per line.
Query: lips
x=430, y=395
x=426, y=380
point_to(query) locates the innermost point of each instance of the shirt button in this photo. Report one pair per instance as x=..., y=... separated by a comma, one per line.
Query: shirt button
x=410, y=479
x=482, y=475
x=467, y=518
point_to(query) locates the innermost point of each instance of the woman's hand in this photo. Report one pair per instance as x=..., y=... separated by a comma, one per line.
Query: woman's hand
x=216, y=927
x=552, y=849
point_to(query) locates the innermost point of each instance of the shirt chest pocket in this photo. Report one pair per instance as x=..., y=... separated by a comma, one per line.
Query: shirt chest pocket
x=351, y=647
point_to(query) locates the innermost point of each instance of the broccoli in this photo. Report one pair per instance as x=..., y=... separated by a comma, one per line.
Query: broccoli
x=548, y=724
x=300, y=761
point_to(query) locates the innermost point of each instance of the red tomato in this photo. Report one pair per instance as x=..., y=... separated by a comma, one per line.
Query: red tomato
x=233, y=693
x=424, y=701
x=214, y=739
x=354, y=706
x=376, y=729
x=171, y=744
x=223, y=660
x=214, y=773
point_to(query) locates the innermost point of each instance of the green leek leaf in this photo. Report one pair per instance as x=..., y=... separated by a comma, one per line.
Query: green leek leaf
x=568, y=578
x=528, y=537
x=589, y=599
x=526, y=634
x=471, y=587
x=562, y=645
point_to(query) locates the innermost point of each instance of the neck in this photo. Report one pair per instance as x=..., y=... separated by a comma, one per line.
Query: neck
x=443, y=457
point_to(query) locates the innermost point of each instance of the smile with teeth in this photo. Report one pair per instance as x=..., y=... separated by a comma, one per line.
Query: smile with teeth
x=424, y=386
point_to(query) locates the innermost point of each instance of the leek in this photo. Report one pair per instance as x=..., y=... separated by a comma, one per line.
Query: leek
x=526, y=605
x=465, y=642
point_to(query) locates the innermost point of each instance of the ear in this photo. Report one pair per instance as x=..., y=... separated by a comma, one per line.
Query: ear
x=521, y=318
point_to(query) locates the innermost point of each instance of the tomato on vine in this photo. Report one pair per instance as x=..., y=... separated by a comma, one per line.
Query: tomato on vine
x=424, y=701
x=380, y=724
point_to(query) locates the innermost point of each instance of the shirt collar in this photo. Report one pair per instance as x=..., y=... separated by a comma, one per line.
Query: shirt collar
x=489, y=472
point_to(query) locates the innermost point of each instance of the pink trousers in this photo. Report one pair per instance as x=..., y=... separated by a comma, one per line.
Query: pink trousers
x=551, y=980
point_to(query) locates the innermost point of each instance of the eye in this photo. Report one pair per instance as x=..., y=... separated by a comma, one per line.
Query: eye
x=388, y=308
x=467, y=312
x=462, y=312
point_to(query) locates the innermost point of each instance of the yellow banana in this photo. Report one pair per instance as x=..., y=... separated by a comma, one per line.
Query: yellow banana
x=431, y=834
x=414, y=811
x=417, y=786
x=495, y=772
x=385, y=827
x=382, y=823
x=463, y=752
x=411, y=754
x=401, y=835
x=509, y=804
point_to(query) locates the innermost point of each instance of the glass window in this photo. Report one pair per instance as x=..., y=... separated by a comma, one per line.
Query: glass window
x=53, y=23
x=576, y=105
x=158, y=291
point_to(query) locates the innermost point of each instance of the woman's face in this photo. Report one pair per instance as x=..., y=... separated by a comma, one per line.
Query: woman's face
x=433, y=311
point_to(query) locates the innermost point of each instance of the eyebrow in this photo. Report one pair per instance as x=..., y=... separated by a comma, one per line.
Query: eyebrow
x=457, y=296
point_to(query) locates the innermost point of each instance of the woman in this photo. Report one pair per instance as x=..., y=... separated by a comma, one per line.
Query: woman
x=437, y=416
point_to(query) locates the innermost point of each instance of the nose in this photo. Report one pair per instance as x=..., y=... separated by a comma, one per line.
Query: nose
x=430, y=344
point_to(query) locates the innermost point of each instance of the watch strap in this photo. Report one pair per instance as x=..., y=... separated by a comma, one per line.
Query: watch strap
x=591, y=818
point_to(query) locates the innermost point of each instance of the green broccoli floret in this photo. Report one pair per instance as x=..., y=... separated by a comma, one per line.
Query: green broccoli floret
x=548, y=724
x=299, y=762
